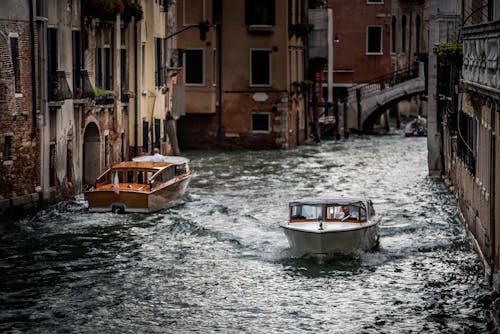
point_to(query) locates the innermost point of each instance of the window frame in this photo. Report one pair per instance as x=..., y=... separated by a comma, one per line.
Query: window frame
x=270, y=78
x=268, y=122
x=186, y=65
x=8, y=151
x=251, y=17
x=368, y=52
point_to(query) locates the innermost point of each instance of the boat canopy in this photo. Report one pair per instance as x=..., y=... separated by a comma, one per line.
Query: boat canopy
x=175, y=160
x=332, y=201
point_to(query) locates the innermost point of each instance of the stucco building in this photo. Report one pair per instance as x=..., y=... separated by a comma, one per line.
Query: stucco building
x=84, y=84
x=240, y=80
x=466, y=119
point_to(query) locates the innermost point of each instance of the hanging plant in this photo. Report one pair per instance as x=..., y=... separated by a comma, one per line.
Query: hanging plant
x=449, y=54
x=108, y=9
x=132, y=9
x=103, y=9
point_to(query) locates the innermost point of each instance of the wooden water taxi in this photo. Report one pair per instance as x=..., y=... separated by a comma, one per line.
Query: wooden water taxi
x=331, y=225
x=140, y=185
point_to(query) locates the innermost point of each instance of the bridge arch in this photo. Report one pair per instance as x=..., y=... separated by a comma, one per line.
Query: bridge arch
x=372, y=118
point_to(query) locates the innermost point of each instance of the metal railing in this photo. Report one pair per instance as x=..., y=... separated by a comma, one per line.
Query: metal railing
x=391, y=79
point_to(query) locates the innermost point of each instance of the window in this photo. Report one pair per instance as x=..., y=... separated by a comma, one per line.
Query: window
x=107, y=67
x=145, y=137
x=393, y=34
x=52, y=165
x=214, y=67
x=157, y=132
x=123, y=69
x=260, y=62
x=7, y=154
x=307, y=211
x=77, y=63
x=375, y=1
x=14, y=52
x=106, y=151
x=418, y=28
x=260, y=123
x=159, y=76
x=143, y=69
x=194, y=67
x=52, y=63
x=403, y=34
x=259, y=12
x=122, y=139
x=374, y=40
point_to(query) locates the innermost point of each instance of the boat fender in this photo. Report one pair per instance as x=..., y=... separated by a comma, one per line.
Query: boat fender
x=118, y=208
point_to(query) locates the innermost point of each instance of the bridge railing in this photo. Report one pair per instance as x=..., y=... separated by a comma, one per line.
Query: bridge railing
x=374, y=86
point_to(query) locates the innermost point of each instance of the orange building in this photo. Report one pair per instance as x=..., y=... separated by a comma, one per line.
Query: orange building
x=240, y=82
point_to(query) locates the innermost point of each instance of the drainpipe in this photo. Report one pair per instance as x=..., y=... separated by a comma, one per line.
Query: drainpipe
x=33, y=71
x=220, y=128
x=494, y=255
x=136, y=94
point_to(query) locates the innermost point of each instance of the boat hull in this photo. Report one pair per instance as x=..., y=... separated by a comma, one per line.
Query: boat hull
x=350, y=238
x=137, y=201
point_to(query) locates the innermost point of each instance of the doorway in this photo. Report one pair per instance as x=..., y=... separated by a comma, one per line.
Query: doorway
x=91, y=154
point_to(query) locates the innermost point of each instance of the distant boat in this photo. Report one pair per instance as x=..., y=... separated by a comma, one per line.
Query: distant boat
x=321, y=226
x=416, y=128
x=140, y=185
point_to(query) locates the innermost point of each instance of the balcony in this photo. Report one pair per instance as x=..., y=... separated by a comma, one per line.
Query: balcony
x=481, y=72
x=58, y=87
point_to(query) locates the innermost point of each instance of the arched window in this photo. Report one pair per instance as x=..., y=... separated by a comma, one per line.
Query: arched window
x=393, y=34
x=403, y=34
x=418, y=35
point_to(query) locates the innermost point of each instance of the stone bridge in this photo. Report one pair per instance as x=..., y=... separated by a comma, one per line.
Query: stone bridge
x=368, y=101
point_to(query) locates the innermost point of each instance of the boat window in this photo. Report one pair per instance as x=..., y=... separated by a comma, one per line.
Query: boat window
x=306, y=211
x=170, y=173
x=130, y=176
x=336, y=212
x=181, y=169
x=140, y=176
x=150, y=174
x=362, y=214
x=120, y=176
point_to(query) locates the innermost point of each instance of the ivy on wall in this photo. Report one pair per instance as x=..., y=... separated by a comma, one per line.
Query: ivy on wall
x=449, y=54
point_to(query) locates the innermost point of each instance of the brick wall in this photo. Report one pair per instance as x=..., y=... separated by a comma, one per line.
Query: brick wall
x=19, y=174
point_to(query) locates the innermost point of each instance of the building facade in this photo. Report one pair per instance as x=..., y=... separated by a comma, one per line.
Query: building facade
x=467, y=120
x=84, y=84
x=240, y=79
x=19, y=108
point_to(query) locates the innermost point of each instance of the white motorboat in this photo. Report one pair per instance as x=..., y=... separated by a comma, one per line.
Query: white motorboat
x=331, y=225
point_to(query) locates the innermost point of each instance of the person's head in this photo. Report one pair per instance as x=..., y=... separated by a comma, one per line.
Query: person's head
x=345, y=209
x=156, y=150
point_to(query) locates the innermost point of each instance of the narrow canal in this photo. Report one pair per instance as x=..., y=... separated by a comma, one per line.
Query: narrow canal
x=220, y=263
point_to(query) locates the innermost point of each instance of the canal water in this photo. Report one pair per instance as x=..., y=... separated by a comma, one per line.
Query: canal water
x=218, y=262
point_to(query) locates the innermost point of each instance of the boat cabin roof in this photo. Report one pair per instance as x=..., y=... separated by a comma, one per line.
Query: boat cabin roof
x=174, y=160
x=141, y=165
x=359, y=201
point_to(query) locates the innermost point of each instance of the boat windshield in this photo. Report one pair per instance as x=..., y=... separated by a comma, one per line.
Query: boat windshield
x=306, y=211
x=345, y=213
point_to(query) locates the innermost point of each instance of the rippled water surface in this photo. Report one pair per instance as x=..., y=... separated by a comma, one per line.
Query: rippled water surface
x=219, y=262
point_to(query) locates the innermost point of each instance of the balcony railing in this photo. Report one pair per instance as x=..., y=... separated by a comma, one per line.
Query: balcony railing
x=58, y=87
x=480, y=68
